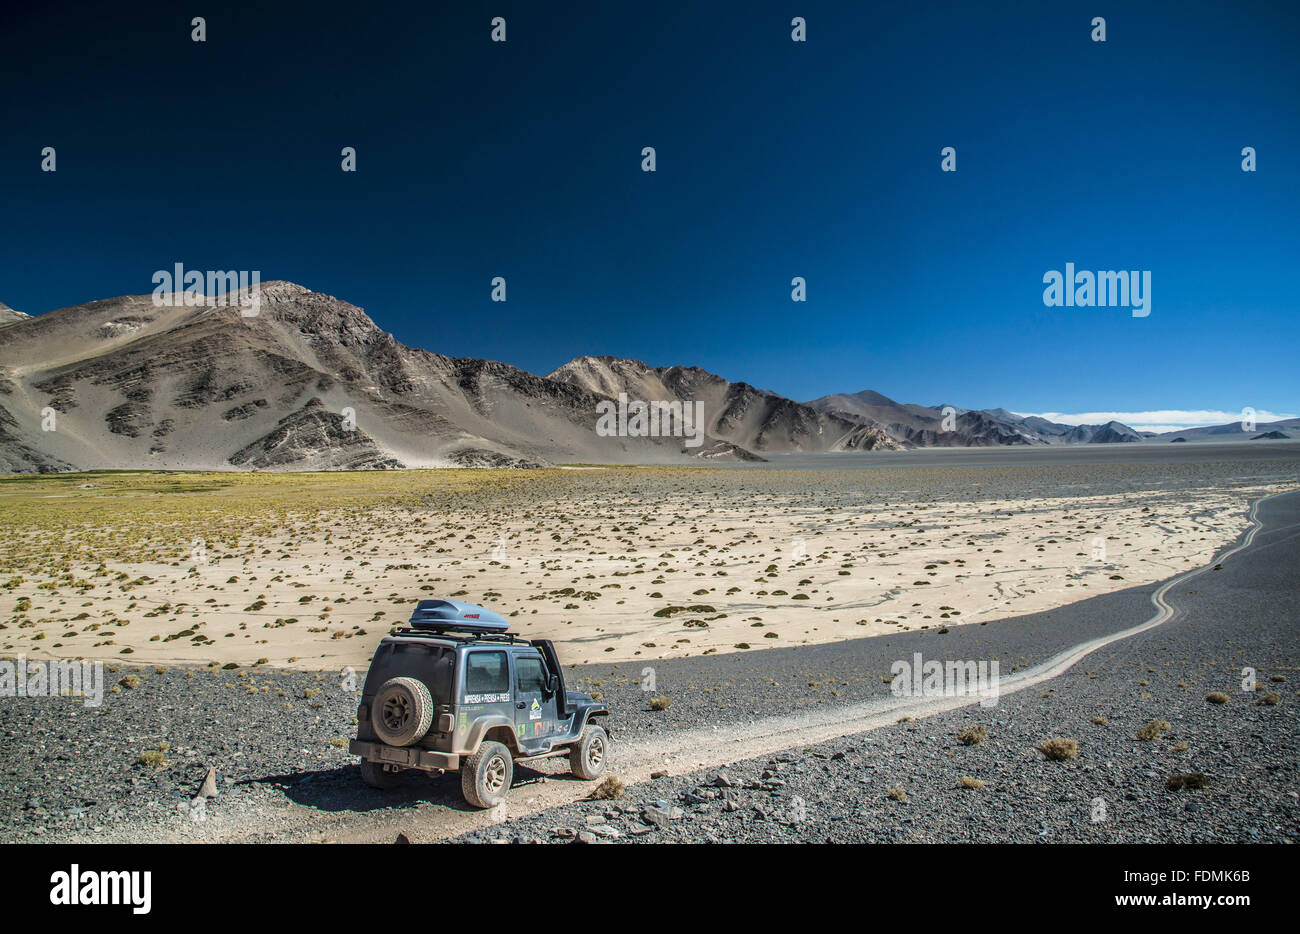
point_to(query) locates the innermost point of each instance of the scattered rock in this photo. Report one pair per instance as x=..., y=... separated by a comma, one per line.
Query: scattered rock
x=208, y=787
x=661, y=816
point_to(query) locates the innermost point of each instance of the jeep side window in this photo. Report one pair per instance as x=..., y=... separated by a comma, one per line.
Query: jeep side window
x=530, y=675
x=486, y=673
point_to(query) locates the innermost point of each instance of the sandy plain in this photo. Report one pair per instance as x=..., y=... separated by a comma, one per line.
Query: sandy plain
x=614, y=564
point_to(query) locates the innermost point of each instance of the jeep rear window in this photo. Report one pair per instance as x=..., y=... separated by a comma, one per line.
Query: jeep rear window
x=486, y=673
x=432, y=664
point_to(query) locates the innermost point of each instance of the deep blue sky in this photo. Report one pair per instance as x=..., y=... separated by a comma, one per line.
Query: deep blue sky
x=775, y=159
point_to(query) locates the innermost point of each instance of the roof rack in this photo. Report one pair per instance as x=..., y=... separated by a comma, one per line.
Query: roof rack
x=456, y=634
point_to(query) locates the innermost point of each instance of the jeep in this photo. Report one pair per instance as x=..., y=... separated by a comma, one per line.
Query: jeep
x=456, y=691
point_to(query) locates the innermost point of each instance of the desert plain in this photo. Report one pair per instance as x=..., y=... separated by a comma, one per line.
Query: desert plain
x=310, y=570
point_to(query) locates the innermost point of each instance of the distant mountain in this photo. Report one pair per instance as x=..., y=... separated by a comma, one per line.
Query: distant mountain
x=1276, y=431
x=1109, y=433
x=922, y=425
x=754, y=419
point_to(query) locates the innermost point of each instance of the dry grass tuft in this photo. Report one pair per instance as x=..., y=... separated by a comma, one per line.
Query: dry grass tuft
x=974, y=784
x=973, y=735
x=1058, y=749
x=1187, y=780
x=610, y=787
x=1152, y=730
x=154, y=758
x=1217, y=697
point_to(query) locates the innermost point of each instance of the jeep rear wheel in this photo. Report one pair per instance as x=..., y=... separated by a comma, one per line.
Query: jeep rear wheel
x=376, y=776
x=587, y=756
x=485, y=776
x=402, y=712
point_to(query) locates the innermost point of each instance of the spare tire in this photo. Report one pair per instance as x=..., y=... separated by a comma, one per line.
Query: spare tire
x=402, y=712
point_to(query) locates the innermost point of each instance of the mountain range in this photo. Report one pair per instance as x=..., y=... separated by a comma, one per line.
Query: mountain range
x=923, y=426
x=311, y=382
x=1287, y=428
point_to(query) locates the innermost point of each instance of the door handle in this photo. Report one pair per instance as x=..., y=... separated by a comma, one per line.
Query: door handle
x=521, y=705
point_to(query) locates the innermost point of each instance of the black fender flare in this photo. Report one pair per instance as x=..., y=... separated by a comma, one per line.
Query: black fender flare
x=589, y=714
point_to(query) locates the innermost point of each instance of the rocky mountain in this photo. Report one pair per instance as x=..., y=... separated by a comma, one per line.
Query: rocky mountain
x=923, y=425
x=310, y=382
x=738, y=413
x=8, y=315
x=1110, y=433
x=1287, y=428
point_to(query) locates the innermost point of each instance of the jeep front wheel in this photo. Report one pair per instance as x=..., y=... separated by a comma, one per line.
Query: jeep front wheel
x=402, y=712
x=485, y=776
x=376, y=776
x=587, y=756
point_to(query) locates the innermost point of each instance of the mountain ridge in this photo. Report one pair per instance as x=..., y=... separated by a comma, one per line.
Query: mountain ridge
x=312, y=382
x=925, y=426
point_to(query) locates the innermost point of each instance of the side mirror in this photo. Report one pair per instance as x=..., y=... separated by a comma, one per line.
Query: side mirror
x=550, y=685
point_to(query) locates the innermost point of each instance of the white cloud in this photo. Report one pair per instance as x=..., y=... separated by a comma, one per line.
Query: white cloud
x=1159, y=420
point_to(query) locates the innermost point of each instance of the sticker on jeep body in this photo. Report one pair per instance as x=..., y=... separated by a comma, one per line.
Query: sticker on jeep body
x=486, y=698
